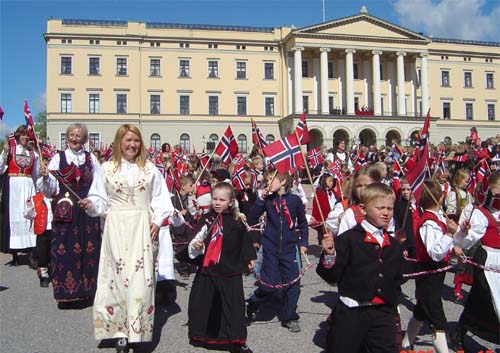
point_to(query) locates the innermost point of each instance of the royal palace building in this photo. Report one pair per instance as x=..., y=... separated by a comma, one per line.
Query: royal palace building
x=360, y=78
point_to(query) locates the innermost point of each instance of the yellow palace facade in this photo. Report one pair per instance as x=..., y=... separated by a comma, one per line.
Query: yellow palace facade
x=358, y=78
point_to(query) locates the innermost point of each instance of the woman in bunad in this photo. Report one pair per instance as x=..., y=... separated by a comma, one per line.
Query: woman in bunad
x=19, y=168
x=132, y=194
x=481, y=314
x=76, y=237
x=340, y=152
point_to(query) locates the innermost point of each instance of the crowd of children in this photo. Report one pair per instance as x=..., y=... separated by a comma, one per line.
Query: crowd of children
x=245, y=217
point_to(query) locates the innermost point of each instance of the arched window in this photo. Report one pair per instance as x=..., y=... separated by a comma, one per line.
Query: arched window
x=155, y=142
x=242, y=144
x=212, y=142
x=270, y=138
x=184, y=143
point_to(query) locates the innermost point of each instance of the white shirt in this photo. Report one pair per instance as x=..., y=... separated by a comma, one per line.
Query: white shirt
x=478, y=226
x=435, y=241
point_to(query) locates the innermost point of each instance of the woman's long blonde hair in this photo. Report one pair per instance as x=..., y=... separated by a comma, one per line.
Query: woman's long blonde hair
x=141, y=157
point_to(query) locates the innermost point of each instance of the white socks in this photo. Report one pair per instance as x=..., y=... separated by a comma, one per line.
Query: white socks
x=411, y=332
x=439, y=342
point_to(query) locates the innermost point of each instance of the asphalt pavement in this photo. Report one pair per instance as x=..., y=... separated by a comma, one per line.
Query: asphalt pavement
x=30, y=321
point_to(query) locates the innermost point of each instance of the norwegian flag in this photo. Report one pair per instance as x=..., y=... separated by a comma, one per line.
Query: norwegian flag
x=423, y=143
x=203, y=159
x=108, y=154
x=397, y=150
x=335, y=168
x=212, y=256
x=302, y=130
x=227, y=147
x=482, y=170
x=171, y=181
x=315, y=157
x=1, y=113
x=162, y=169
x=29, y=123
x=257, y=137
x=48, y=150
x=361, y=161
x=255, y=182
x=396, y=181
x=471, y=183
x=460, y=158
x=285, y=154
x=238, y=179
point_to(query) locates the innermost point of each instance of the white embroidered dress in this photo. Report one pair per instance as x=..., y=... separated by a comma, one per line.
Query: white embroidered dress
x=132, y=199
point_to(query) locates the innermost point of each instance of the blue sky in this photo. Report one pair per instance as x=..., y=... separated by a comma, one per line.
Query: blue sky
x=22, y=24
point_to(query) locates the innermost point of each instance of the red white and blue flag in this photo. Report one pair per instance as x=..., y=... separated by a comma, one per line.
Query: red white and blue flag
x=396, y=180
x=302, y=130
x=29, y=123
x=257, y=137
x=315, y=157
x=360, y=161
x=482, y=170
x=227, y=147
x=212, y=256
x=238, y=179
x=285, y=154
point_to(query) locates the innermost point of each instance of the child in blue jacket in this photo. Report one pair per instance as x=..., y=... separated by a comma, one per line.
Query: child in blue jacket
x=285, y=216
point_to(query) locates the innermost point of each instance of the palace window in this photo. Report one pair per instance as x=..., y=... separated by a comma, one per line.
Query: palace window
x=94, y=66
x=213, y=105
x=213, y=69
x=155, y=142
x=121, y=103
x=154, y=104
x=184, y=105
x=94, y=103
x=242, y=105
x=154, y=67
x=184, y=68
x=241, y=70
x=65, y=102
x=469, y=111
x=269, y=71
x=446, y=110
x=66, y=62
x=269, y=102
x=491, y=111
x=242, y=144
x=305, y=69
x=121, y=66
x=184, y=142
x=445, y=78
x=94, y=139
x=489, y=80
x=468, y=79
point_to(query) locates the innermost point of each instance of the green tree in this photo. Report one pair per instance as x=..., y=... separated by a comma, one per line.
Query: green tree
x=41, y=125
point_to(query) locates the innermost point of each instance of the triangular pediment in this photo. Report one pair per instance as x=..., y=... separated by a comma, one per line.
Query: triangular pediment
x=361, y=25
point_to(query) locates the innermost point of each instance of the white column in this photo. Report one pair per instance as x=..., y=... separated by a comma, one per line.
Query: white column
x=298, y=79
x=424, y=86
x=413, y=83
x=401, y=83
x=367, y=79
x=314, y=106
x=376, y=82
x=324, y=80
x=341, y=69
x=390, y=82
x=349, y=77
x=289, y=67
x=341, y=97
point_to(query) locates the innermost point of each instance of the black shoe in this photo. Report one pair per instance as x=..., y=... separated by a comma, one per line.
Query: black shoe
x=121, y=345
x=251, y=311
x=44, y=282
x=242, y=349
x=457, y=337
x=292, y=325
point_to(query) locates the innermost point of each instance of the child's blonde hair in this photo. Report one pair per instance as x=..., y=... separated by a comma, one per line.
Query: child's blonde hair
x=460, y=176
x=368, y=170
x=230, y=192
x=376, y=191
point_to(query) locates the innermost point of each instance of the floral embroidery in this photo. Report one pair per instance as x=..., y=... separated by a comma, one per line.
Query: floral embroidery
x=77, y=248
x=149, y=282
x=69, y=283
x=60, y=250
x=126, y=282
x=139, y=265
x=141, y=184
x=76, y=231
x=110, y=310
x=78, y=264
x=119, y=265
x=90, y=247
x=118, y=186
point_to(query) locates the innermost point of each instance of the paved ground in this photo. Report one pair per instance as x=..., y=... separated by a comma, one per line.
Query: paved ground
x=31, y=322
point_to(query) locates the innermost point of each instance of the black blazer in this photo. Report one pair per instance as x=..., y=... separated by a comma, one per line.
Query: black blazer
x=362, y=270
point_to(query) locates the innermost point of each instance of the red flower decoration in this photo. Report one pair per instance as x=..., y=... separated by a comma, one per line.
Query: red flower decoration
x=110, y=310
x=150, y=309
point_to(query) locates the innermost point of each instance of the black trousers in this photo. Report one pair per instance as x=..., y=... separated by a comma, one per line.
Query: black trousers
x=370, y=329
x=429, y=303
x=42, y=250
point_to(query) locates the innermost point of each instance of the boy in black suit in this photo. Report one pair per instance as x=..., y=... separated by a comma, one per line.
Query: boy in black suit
x=366, y=264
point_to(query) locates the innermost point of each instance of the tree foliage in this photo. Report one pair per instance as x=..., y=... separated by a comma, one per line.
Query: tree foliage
x=41, y=125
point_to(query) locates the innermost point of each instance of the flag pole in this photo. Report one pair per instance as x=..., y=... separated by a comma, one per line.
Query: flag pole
x=310, y=181
x=206, y=164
